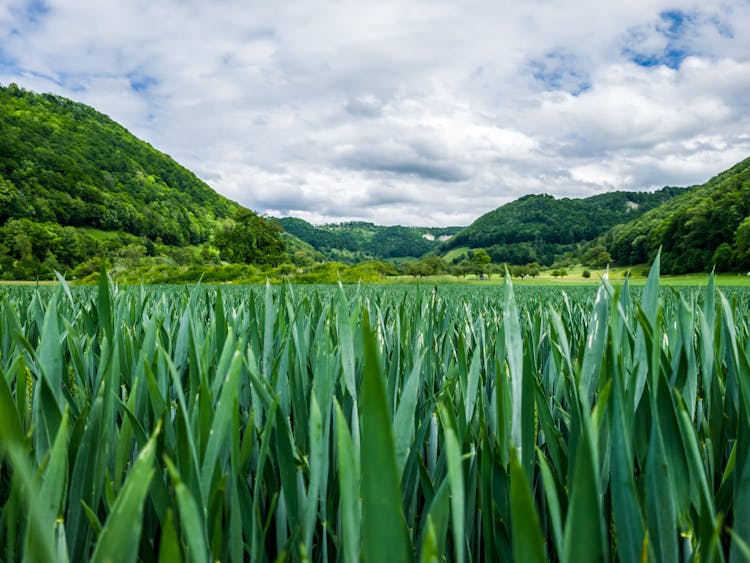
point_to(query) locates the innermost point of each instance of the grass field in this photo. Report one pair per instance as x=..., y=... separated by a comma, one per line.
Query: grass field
x=575, y=277
x=439, y=422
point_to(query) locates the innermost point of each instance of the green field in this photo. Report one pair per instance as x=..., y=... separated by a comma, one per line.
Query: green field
x=459, y=422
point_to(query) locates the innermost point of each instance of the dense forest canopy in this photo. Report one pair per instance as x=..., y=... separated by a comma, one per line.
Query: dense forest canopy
x=64, y=162
x=69, y=175
x=357, y=240
x=706, y=226
x=541, y=227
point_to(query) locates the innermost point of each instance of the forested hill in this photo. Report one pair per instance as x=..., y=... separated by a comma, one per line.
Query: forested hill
x=709, y=225
x=355, y=241
x=65, y=163
x=541, y=227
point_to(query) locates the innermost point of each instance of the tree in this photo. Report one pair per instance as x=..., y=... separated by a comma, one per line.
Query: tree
x=462, y=268
x=723, y=257
x=435, y=264
x=250, y=239
x=596, y=257
x=519, y=271
x=742, y=244
x=534, y=269
x=479, y=261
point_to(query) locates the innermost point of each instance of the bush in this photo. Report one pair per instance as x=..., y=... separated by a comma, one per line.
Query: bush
x=586, y=274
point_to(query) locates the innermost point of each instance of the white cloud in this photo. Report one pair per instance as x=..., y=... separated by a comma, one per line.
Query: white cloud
x=427, y=112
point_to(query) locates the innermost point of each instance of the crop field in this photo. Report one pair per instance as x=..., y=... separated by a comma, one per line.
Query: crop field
x=375, y=423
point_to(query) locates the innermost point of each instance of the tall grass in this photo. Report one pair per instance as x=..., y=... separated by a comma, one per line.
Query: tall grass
x=375, y=423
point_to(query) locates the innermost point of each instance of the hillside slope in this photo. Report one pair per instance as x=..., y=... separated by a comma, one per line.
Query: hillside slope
x=64, y=162
x=354, y=241
x=541, y=227
x=705, y=226
x=75, y=185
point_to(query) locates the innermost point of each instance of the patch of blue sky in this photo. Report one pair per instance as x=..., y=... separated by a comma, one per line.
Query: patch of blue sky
x=559, y=71
x=677, y=28
x=35, y=10
x=675, y=22
x=669, y=57
x=6, y=62
x=141, y=82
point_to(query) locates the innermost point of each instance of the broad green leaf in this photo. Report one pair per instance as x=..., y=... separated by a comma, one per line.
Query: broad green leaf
x=122, y=529
x=192, y=526
x=436, y=526
x=385, y=537
x=169, y=543
x=403, y=423
x=584, y=538
x=456, y=481
x=514, y=349
x=348, y=474
x=220, y=428
x=528, y=542
x=660, y=503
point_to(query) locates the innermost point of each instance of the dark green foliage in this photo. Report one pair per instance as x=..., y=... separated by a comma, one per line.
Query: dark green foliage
x=538, y=228
x=29, y=249
x=250, y=239
x=67, y=170
x=63, y=162
x=705, y=226
x=596, y=257
x=430, y=265
x=354, y=241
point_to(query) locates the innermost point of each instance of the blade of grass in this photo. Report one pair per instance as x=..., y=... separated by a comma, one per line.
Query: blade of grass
x=528, y=542
x=122, y=529
x=385, y=535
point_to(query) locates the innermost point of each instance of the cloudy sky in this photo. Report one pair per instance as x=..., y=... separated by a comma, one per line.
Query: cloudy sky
x=404, y=112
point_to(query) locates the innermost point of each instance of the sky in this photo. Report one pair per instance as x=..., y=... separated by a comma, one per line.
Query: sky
x=403, y=112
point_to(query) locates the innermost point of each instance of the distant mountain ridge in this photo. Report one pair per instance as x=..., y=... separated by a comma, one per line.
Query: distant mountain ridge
x=356, y=240
x=541, y=228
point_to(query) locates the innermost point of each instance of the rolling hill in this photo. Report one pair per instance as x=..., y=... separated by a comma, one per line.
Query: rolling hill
x=64, y=162
x=355, y=241
x=706, y=226
x=69, y=174
x=540, y=228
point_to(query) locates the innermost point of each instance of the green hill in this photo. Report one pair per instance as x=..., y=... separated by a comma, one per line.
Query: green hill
x=355, y=241
x=64, y=162
x=66, y=169
x=541, y=228
x=705, y=226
